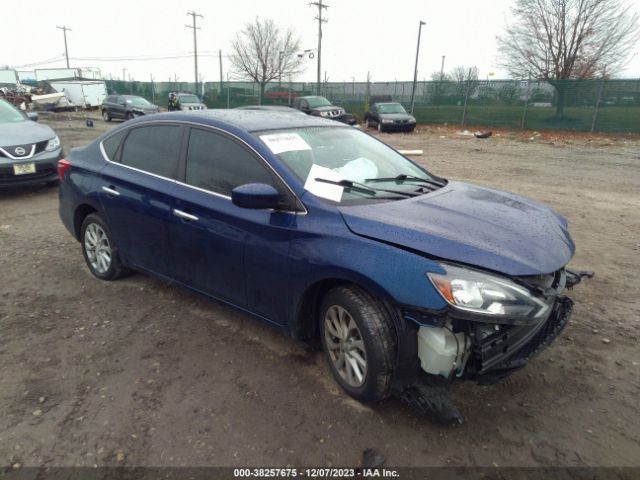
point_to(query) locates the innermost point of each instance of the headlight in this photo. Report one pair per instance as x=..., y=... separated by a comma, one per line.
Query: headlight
x=387, y=120
x=486, y=294
x=412, y=119
x=324, y=114
x=53, y=144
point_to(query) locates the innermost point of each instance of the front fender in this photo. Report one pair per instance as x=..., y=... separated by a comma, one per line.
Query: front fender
x=388, y=272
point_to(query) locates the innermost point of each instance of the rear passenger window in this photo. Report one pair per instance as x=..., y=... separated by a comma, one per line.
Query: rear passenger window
x=111, y=144
x=154, y=149
x=218, y=164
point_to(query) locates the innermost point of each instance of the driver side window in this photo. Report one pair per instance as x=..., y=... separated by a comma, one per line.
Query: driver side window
x=219, y=164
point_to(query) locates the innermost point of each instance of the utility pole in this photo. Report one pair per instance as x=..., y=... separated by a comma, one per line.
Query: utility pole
x=321, y=20
x=415, y=70
x=195, y=43
x=124, y=77
x=220, y=59
x=442, y=68
x=65, y=29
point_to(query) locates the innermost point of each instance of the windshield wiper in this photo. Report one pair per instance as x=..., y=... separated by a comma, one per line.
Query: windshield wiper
x=403, y=177
x=350, y=184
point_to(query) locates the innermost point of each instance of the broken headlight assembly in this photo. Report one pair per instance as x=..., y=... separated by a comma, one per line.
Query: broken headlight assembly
x=493, y=298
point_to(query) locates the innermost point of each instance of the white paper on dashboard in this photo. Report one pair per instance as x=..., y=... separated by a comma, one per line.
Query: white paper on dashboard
x=358, y=170
x=322, y=189
x=285, y=142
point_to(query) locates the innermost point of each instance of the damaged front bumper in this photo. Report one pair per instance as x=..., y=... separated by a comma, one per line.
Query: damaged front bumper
x=497, y=354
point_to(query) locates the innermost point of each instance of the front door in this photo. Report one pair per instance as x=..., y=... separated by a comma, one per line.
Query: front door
x=234, y=254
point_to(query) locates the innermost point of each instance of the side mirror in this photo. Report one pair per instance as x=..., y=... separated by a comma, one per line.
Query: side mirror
x=257, y=196
x=33, y=116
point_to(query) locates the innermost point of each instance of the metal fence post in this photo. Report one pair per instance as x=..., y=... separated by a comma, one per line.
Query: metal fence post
x=597, y=105
x=526, y=103
x=466, y=99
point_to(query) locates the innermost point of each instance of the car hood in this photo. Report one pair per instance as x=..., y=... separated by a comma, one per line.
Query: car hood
x=477, y=226
x=328, y=108
x=22, y=133
x=395, y=116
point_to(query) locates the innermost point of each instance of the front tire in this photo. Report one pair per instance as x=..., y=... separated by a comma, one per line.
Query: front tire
x=359, y=342
x=380, y=126
x=106, y=116
x=99, y=251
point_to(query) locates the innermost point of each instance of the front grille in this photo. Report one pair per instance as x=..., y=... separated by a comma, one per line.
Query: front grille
x=11, y=150
x=40, y=146
x=511, y=346
x=548, y=285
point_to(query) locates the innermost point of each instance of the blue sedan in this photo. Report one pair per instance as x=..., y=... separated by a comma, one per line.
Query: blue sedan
x=409, y=281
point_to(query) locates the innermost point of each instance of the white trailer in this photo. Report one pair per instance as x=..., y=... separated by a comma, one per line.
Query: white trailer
x=8, y=77
x=82, y=93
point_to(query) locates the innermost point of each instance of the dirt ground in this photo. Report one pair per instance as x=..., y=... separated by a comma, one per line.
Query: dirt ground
x=141, y=373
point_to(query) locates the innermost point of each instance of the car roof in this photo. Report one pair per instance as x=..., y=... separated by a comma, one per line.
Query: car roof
x=312, y=96
x=387, y=103
x=247, y=119
x=128, y=96
x=273, y=108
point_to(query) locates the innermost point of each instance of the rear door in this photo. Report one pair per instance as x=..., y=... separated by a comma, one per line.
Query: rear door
x=137, y=193
x=234, y=254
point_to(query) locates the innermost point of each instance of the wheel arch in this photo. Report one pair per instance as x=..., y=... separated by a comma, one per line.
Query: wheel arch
x=81, y=212
x=305, y=324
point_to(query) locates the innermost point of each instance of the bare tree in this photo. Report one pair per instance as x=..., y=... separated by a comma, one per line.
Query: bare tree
x=558, y=40
x=466, y=79
x=263, y=53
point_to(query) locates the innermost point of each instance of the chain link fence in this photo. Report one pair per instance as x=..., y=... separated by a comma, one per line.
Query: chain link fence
x=579, y=105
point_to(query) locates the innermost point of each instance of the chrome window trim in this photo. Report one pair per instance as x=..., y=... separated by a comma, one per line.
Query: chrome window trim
x=24, y=157
x=210, y=192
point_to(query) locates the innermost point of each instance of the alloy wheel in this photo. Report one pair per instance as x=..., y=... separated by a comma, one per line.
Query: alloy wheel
x=345, y=346
x=96, y=244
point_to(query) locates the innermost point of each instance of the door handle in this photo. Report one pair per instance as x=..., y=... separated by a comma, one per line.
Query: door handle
x=185, y=215
x=111, y=191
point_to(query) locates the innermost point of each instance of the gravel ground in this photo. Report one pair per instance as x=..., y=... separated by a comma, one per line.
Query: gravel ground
x=138, y=372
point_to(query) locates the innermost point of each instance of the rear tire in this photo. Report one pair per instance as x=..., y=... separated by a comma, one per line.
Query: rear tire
x=106, y=116
x=99, y=251
x=358, y=338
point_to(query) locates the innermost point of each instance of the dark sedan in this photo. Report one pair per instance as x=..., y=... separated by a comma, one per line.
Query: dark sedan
x=126, y=107
x=389, y=117
x=29, y=151
x=409, y=281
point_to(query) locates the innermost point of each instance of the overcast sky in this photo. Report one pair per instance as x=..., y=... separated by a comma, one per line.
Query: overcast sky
x=361, y=35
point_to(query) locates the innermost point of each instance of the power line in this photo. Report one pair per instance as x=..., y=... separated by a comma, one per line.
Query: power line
x=40, y=62
x=321, y=20
x=195, y=43
x=64, y=29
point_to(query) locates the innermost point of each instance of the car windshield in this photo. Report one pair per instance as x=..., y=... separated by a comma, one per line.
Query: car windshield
x=138, y=101
x=189, y=99
x=347, y=156
x=391, y=108
x=10, y=114
x=318, y=102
